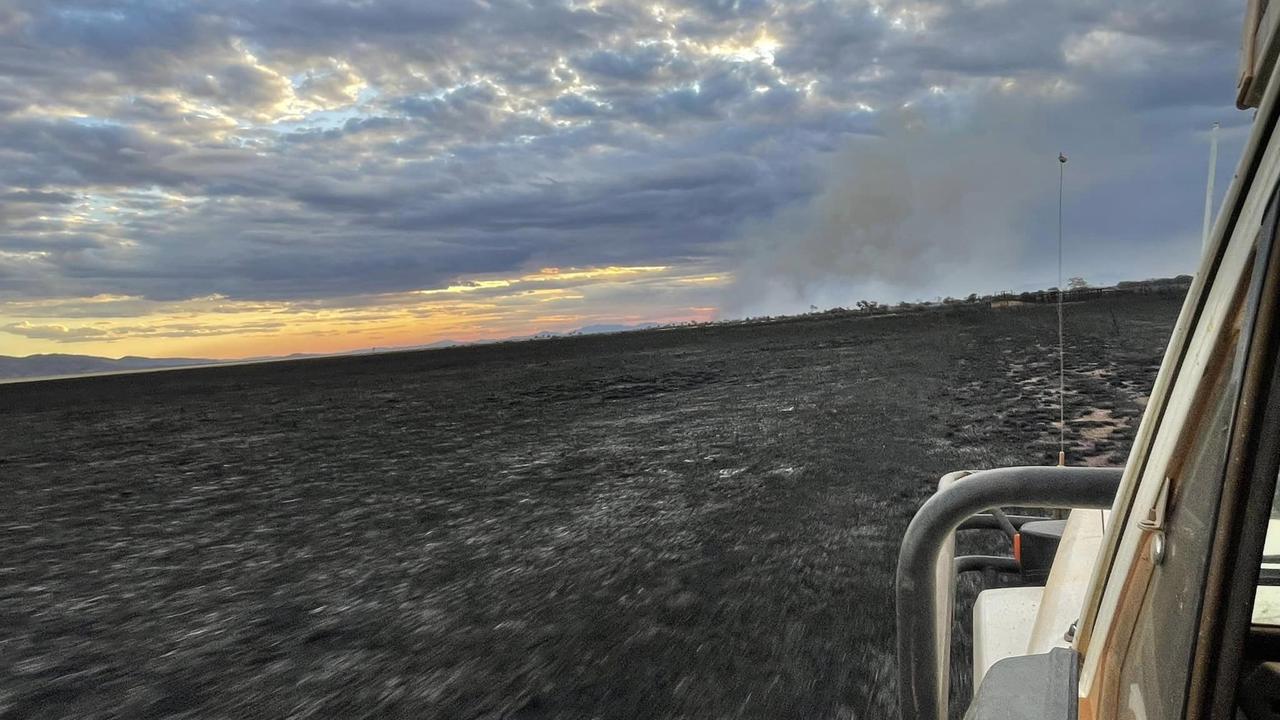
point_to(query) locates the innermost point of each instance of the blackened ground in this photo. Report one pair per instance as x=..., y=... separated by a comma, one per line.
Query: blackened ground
x=689, y=523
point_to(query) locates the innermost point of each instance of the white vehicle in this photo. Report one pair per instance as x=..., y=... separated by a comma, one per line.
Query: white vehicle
x=1159, y=595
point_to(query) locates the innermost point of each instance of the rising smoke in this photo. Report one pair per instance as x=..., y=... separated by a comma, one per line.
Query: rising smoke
x=914, y=212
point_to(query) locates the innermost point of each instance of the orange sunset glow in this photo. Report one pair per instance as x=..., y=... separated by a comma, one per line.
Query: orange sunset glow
x=481, y=308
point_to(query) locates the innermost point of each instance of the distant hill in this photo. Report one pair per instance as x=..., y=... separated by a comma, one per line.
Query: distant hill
x=57, y=364
x=60, y=364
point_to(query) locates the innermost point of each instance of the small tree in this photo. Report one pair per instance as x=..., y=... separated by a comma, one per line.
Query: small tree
x=1077, y=283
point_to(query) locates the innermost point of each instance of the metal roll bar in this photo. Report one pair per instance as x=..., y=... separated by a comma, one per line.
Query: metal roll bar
x=989, y=521
x=972, y=563
x=926, y=578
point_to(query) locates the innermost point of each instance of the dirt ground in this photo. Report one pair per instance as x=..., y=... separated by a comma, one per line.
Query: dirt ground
x=690, y=523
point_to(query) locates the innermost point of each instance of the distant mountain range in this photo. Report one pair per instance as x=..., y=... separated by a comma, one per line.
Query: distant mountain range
x=58, y=364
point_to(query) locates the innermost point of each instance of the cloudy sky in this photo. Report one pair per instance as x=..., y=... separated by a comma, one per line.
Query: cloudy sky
x=235, y=178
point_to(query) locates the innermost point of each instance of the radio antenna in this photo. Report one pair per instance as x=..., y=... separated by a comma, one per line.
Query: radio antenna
x=1062, y=363
x=1208, y=189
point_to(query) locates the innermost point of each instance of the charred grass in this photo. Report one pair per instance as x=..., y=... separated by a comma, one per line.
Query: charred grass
x=688, y=523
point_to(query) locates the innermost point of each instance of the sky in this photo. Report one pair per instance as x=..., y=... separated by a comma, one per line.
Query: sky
x=236, y=178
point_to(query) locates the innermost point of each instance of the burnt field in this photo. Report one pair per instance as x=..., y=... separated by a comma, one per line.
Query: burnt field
x=692, y=523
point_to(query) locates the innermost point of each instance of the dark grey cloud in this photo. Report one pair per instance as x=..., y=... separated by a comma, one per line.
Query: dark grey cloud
x=308, y=150
x=574, y=105
x=632, y=64
x=61, y=153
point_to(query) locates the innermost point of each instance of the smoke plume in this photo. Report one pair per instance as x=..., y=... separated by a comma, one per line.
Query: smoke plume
x=917, y=211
